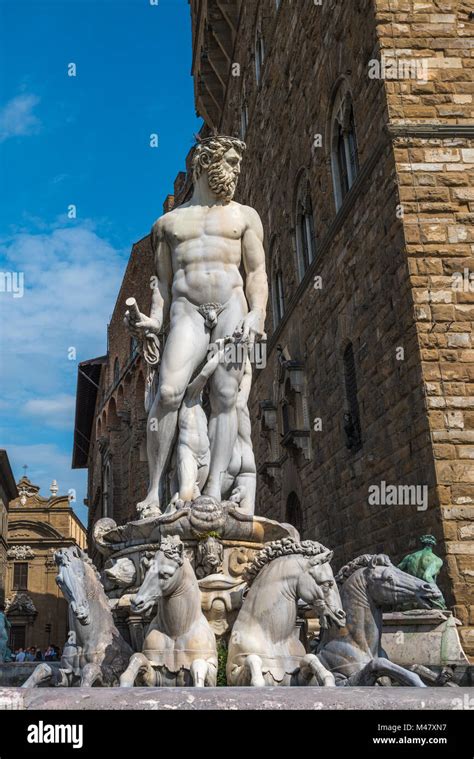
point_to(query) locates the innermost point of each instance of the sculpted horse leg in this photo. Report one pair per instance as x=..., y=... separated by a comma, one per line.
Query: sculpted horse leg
x=90, y=675
x=199, y=672
x=138, y=665
x=311, y=668
x=41, y=674
x=254, y=666
x=211, y=677
x=380, y=667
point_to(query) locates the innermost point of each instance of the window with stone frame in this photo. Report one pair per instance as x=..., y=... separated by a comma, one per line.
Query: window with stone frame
x=304, y=227
x=244, y=114
x=278, y=297
x=259, y=54
x=294, y=512
x=344, y=152
x=106, y=489
x=116, y=371
x=133, y=347
x=20, y=575
x=352, y=428
x=276, y=284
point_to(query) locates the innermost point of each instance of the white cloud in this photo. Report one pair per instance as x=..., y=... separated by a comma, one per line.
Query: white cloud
x=71, y=279
x=56, y=412
x=17, y=117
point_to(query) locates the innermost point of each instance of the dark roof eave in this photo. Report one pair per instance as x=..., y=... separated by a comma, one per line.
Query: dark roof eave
x=88, y=375
x=6, y=475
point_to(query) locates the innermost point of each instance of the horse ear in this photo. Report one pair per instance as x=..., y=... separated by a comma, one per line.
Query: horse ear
x=380, y=560
x=321, y=558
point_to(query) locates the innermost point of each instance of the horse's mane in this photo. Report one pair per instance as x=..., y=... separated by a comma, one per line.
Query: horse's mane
x=87, y=560
x=284, y=547
x=366, y=560
x=83, y=556
x=172, y=547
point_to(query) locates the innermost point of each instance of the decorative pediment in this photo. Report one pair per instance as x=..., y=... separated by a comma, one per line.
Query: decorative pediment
x=20, y=603
x=27, y=491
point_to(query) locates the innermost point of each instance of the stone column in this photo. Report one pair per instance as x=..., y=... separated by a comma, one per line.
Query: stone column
x=135, y=627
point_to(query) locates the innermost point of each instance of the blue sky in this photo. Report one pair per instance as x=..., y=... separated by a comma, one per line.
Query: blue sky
x=82, y=141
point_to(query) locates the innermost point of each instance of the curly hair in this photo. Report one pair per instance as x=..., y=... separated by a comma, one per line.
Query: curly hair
x=211, y=150
x=284, y=547
x=366, y=560
x=172, y=547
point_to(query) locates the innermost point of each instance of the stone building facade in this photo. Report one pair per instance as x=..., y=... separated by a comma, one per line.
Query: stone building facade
x=358, y=118
x=8, y=492
x=37, y=526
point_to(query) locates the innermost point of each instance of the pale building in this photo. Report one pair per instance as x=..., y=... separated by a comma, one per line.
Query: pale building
x=8, y=491
x=37, y=527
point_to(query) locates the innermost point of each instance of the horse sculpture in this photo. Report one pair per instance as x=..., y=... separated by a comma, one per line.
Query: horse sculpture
x=96, y=653
x=354, y=654
x=265, y=648
x=179, y=646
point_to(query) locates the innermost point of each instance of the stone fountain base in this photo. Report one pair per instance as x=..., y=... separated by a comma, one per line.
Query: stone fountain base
x=220, y=541
x=225, y=699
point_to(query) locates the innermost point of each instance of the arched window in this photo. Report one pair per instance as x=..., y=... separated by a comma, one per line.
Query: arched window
x=285, y=417
x=259, y=55
x=116, y=371
x=305, y=236
x=133, y=347
x=344, y=155
x=277, y=287
x=106, y=490
x=351, y=413
x=278, y=297
x=294, y=512
x=244, y=118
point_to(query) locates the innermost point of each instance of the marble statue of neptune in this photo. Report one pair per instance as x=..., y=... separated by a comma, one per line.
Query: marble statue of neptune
x=211, y=285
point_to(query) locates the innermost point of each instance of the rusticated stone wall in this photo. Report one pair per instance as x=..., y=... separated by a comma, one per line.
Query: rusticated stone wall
x=434, y=152
x=384, y=266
